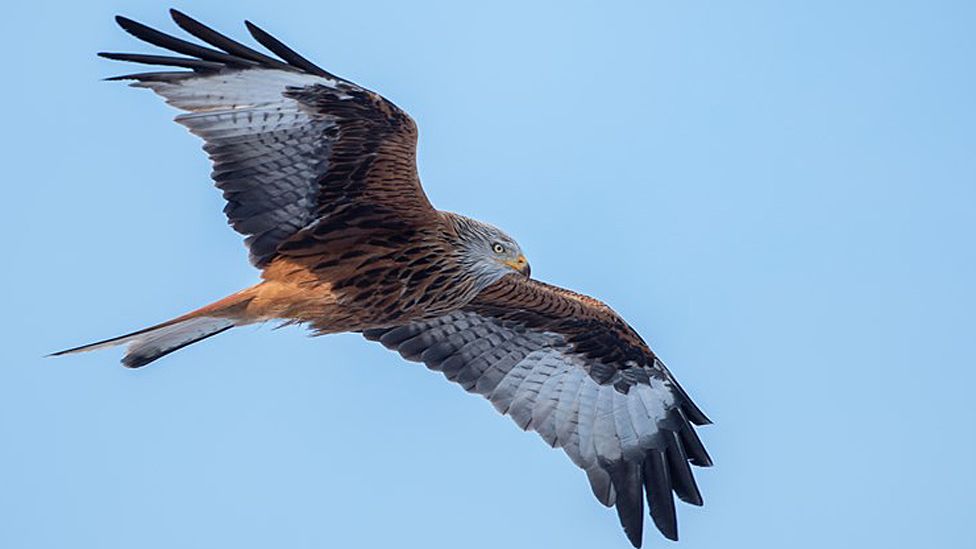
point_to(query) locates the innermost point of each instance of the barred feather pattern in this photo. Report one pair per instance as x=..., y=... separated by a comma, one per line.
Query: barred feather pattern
x=320, y=177
x=625, y=422
x=291, y=144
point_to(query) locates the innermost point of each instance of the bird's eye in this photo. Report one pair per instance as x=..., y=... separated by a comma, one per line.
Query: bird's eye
x=498, y=248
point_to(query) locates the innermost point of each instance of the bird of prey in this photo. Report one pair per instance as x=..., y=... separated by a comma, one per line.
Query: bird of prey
x=320, y=176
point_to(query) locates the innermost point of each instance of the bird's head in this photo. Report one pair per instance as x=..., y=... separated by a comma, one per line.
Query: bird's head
x=488, y=251
x=507, y=253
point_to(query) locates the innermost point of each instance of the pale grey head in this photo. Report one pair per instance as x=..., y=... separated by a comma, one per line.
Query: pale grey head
x=487, y=252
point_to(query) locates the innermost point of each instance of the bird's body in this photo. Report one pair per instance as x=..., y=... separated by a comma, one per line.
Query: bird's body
x=412, y=274
x=320, y=176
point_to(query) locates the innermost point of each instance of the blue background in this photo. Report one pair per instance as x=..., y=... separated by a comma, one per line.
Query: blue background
x=781, y=198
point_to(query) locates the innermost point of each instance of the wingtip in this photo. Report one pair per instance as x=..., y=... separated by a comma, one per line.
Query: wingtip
x=125, y=22
x=667, y=527
x=66, y=351
x=255, y=31
x=261, y=35
x=134, y=27
x=696, y=416
x=705, y=420
x=180, y=18
x=633, y=526
x=136, y=78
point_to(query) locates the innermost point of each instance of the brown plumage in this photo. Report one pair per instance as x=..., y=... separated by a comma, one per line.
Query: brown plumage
x=320, y=176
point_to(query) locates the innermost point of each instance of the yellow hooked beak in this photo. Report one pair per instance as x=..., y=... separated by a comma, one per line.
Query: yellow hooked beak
x=521, y=265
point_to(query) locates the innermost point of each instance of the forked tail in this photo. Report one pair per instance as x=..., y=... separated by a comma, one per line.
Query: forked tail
x=157, y=341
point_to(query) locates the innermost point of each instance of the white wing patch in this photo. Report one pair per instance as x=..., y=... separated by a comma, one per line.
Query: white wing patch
x=232, y=89
x=268, y=150
x=543, y=386
x=631, y=434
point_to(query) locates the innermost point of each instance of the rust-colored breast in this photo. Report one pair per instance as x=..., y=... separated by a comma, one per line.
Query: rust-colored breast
x=352, y=279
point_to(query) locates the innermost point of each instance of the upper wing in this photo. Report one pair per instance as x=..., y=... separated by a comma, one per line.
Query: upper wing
x=290, y=143
x=567, y=367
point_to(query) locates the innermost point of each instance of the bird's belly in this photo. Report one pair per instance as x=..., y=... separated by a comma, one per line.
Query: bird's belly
x=375, y=295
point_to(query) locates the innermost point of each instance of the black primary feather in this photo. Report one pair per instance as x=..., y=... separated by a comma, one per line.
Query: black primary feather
x=626, y=479
x=693, y=445
x=165, y=60
x=682, y=479
x=657, y=483
x=286, y=53
x=218, y=40
x=179, y=45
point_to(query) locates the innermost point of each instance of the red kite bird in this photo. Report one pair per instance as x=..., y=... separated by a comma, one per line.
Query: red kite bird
x=320, y=176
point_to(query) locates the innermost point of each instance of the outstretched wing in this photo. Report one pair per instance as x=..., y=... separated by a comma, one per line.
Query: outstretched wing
x=566, y=366
x=290, y=143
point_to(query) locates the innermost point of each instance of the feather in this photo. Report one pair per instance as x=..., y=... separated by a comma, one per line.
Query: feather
x=587, y=420
x=524, y=402
x=567, y=410
x=605, y=436
x=626, y=477
x=601, y=485
x=624, y=427
x=286, y=53
x=693, y=445
x=682, y=479
x=178, y=45
x=657, y=484
x=165, y=60
x=161, y=76
x=543, y=415
x=218, y=40
x=149, y=344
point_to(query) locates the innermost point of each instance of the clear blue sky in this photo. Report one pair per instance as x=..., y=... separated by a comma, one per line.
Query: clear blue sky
x=781, y=198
